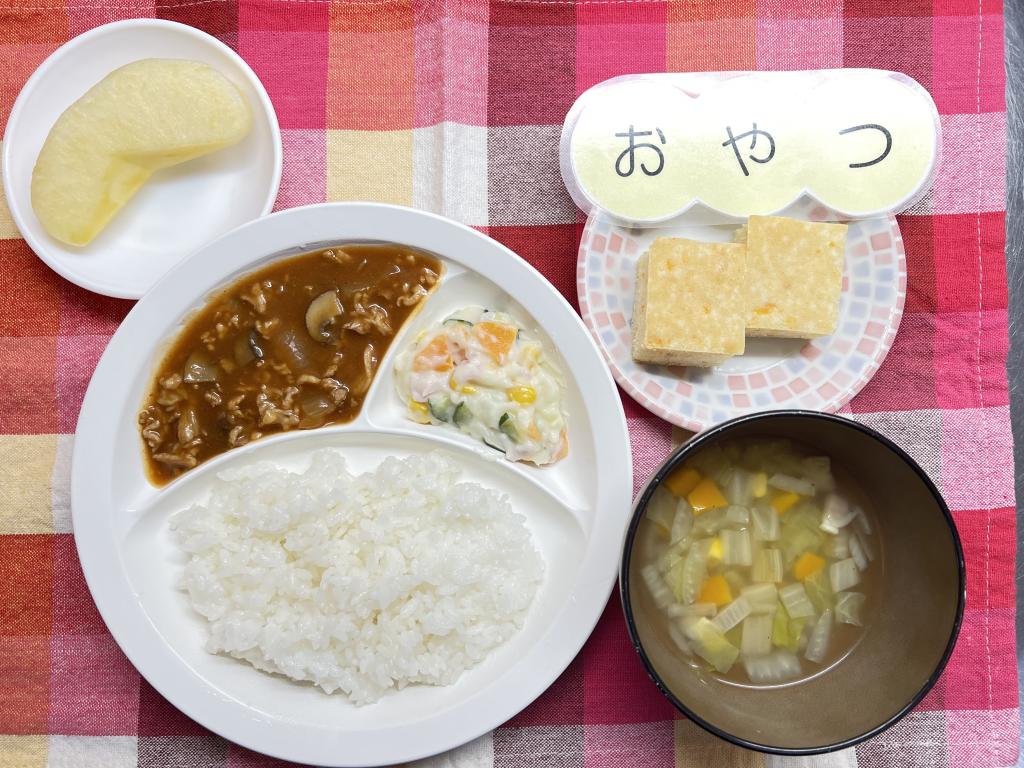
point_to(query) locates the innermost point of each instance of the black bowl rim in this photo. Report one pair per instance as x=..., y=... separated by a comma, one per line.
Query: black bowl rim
x=674, y=459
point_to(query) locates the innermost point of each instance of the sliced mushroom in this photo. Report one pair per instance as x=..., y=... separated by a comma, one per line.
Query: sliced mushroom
x=247, y=348
x=321, y=312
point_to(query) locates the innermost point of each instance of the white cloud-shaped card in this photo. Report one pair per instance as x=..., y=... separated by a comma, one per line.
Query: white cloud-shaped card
x=647, y=149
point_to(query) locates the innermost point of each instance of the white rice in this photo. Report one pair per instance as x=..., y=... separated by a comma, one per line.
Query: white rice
x=359, y=584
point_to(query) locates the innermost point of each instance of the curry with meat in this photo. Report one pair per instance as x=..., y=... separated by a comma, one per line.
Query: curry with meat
x=294, y=345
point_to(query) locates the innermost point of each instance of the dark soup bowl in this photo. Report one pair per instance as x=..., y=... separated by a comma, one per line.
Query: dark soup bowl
x=854, y=563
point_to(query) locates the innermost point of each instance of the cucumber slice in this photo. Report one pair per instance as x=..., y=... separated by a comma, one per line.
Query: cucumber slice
x=441, y=407
x=508, y=426
x=462, y=415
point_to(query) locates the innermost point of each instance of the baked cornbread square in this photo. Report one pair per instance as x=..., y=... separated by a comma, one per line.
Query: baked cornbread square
x=690, y=306
x=796, y=275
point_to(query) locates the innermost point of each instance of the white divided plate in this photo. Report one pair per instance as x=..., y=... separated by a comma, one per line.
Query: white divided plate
x=576, y=509
x=178, y=209
x=772, y=374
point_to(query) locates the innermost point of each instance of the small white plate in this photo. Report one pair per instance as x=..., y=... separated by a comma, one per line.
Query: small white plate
x=773, y=374
x=576, y=509
x=180, y=208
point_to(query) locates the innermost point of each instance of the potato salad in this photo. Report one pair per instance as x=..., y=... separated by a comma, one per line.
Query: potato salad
x=481, y=372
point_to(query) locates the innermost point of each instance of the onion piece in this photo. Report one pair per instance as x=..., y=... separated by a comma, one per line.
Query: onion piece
x=773, y=668
x=791, y=484
x=661, y=509
x=839, y=513
x=863, y=522
x=738, y=490
x=844, y=574
x=731, y=615
x=710, y=644
x=857, y=552
x=817, y=644
x=796, y=602
x=837, y=547
x=757, y=635
x=199, y=368
x=850, y=607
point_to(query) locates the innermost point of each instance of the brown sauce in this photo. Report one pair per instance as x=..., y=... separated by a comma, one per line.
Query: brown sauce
x=294, y=345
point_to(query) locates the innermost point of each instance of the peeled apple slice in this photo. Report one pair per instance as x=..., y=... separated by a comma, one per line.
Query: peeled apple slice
x=142, y=117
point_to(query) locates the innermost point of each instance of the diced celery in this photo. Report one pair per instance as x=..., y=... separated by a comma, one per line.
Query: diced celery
x=757, y=635
x=656, y=586
x=844, y=574
x=791, y=484
x=682, y=523
x=796, y=540
x=710, y=522
x=735, y=547
x=768, y=566
x=738, y=488
x=817, y=644
x=850, y=608
x=697, y=609
x=838, y=513
x=710, y=461
x=794, y=598
x=819, y=591
x=711, y=644
x=675, y=579
x=818, y=469
x=766, y=524
x=694, y=569
x=732, y=614
x=773, y=668
x=780, y=627
x=763, y=598
x=669, y=559
x=661, y=509
x=736, y=515
x=735, y=635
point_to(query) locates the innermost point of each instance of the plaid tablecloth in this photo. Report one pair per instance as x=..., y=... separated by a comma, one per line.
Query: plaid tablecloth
x=456, y=107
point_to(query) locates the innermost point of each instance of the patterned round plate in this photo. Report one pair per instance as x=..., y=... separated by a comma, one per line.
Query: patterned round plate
x=822, y=374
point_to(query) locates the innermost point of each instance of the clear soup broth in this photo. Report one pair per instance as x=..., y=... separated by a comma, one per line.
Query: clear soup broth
x=765, y=559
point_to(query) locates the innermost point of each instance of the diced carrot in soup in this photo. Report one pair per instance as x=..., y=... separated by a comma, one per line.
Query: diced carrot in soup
x=682, y=481
x=807, y=565
x=433, y=357
x=496, y=338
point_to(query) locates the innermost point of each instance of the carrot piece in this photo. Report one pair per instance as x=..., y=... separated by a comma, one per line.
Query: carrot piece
x=682, y=481
x=784, y=501
x=433, y=357
x=807, y=565
x=496, y=338
x=715, y=590
x=706, y=495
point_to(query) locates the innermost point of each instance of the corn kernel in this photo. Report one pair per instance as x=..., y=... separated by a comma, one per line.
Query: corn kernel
x=417, y=407
x=522, y=395
x=451, y=381
x=715, y=551
x=468, y=390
